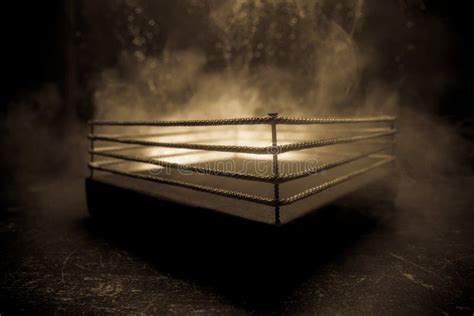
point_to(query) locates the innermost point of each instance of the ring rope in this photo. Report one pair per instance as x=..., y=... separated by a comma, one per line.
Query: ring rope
x=329, y=165
x=244, y=196
x=261, y=150
x=333, y=120
x=330, y=141
x=237, y=175
x=197, y=187
x=331, y=183
x=178, y=166
x=247, y=121
x=223, y=148
x=236, y=121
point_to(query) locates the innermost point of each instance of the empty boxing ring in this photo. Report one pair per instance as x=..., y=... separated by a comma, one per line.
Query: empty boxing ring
x=269, y=169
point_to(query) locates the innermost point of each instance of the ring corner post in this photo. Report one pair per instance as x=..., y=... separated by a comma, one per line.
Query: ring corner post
x=91, y=130
x=275, y=168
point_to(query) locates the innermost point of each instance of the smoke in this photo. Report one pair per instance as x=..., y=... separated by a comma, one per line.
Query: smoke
x=296, y=57
x=40, y=141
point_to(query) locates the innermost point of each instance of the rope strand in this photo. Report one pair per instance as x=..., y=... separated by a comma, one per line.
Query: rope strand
x=197, y=187
x=259, y=150
x=248, y=121
x=333, y=182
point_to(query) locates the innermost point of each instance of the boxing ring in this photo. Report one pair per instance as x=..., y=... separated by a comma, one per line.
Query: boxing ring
x=269, y=169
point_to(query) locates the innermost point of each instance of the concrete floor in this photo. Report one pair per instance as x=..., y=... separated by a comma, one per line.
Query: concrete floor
x=55, y=259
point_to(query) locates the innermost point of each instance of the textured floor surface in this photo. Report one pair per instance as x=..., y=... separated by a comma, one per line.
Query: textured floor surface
x=54, y=259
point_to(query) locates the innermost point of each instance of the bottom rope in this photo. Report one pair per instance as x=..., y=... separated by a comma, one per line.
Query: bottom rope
x=197, y=187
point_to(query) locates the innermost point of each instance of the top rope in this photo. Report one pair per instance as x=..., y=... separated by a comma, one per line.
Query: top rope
x=249, y=121
x=333, y=120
